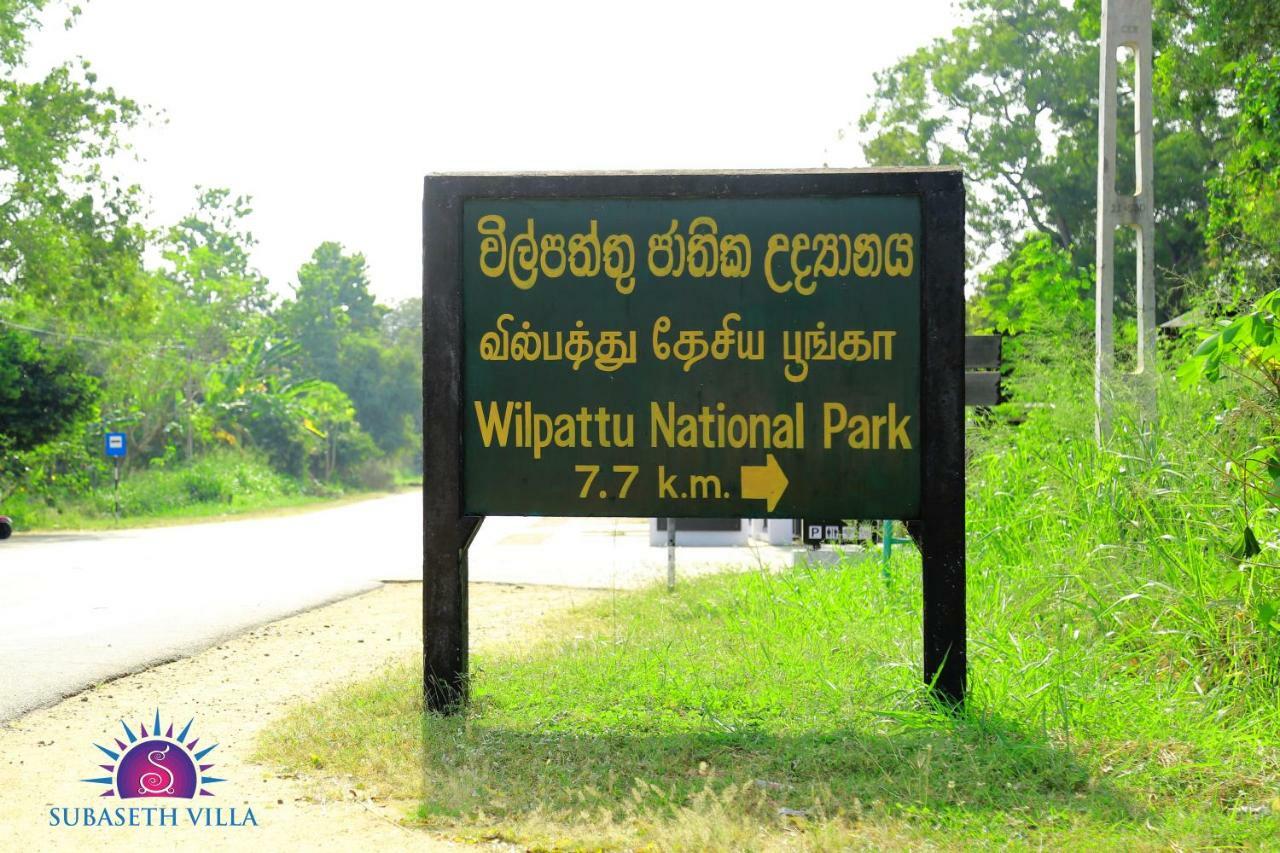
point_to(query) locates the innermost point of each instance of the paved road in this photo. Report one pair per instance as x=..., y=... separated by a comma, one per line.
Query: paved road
x=79, y=608
x=82, y=607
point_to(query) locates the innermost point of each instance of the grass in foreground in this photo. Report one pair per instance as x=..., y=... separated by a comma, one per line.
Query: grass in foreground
x=754, y=710
x=1124, y=687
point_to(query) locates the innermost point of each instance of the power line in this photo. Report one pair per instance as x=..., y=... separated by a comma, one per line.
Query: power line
x=80, y=338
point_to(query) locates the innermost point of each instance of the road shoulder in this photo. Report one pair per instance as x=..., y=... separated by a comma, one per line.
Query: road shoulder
x=233, y=690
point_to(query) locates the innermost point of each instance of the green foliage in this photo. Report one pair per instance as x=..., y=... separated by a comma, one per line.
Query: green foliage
x=331, y=416
x=978, y=99
x=70, y=243
x=1038, y=299
x=216, y=483
x=1246, y=431
x=223, y=478
x=1011, y=96
x=43, y=391
x=208, y=307
x=191, y=356
x=1248, y=342
x=385, y=382
x=210, y=271
x=251, y=398
x=331, y=301
x=1229, y=52
x=1244, y=214
x=1038, y=288
x=374, y=354
x=202, y=365
x=402, y=325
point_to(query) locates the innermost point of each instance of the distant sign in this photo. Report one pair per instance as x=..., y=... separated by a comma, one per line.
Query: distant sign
x=694, y=345
x=833, y=532
x=117, y=445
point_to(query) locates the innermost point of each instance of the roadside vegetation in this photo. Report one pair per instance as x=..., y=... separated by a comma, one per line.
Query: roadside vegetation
x=1125, y=673
x=111, y=322
x=213, y=485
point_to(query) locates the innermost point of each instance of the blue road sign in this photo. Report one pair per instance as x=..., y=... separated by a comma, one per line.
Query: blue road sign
x=117, y=445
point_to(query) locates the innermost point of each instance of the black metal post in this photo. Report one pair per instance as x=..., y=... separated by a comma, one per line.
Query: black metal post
x=445, y=532
x=941, y=531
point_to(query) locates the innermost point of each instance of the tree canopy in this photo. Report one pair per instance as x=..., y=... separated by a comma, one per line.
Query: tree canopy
x=44, y=391
x=171, y=333
x=1011, y=96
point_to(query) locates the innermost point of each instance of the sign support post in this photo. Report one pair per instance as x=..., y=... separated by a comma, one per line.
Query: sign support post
x=941, y=531
x=446, y=533
x=563, y=375
x=116, y=446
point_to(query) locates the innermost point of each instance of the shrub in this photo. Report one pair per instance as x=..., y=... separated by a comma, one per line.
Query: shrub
x=375, y=475
x=226, y=478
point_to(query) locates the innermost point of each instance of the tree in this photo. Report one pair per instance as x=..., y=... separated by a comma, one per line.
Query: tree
x=1242, y=39
x=1038, y=286
x=44, y=392
x=330, y=416
x=369, y=351
x=214, y=297
x=385, y=383
x=331, y=301
x=402, y=333
x=210, y=268
x=70, y=244
x=1011, y=97
x=203, y=304
x=402, y=325
x=70, y=240
x=251, y=397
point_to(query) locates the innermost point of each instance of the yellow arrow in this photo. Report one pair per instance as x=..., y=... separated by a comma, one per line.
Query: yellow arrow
x=764, y=482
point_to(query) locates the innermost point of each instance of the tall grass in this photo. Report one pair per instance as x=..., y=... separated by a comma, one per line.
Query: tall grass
x=220, y=482
x=1123, y=675
x=1120, y=556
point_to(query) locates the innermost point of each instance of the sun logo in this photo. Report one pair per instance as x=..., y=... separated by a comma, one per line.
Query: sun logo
x=155, y=765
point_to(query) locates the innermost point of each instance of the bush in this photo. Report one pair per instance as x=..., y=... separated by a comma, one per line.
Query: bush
x=227, y=478
x=1132, y=542
x=375, y=475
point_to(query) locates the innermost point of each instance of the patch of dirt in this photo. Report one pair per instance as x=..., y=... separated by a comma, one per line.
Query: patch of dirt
x=234, y=690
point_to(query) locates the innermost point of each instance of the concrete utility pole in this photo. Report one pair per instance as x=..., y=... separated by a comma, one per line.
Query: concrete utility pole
x=1125, y=23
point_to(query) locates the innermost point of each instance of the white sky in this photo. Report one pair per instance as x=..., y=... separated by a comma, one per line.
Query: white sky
x=330, y=113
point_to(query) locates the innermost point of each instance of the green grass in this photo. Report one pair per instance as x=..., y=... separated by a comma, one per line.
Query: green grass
x=1125, y=684
x=213, y=485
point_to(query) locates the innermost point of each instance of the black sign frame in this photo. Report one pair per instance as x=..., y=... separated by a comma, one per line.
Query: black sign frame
x=447, y=533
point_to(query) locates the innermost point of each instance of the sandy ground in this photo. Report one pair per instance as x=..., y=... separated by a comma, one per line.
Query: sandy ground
x=234, y=690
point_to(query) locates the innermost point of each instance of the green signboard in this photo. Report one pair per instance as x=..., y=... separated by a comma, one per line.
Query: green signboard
x=785, y=344
x=692, y=357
